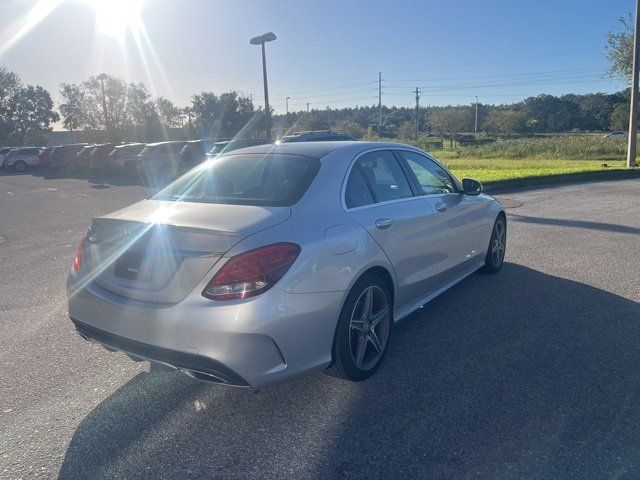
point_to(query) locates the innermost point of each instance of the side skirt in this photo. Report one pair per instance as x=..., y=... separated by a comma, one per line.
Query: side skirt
x=407, y=309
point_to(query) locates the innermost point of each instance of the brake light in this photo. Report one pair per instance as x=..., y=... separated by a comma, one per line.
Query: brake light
x=79, y=253
x=253, y=272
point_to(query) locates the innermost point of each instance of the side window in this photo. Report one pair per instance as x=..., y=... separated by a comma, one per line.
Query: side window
x=385, y=176
x=357, y=193
x=432, y=177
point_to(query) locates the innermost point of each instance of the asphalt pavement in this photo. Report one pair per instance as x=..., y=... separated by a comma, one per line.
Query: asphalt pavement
x=531, y=373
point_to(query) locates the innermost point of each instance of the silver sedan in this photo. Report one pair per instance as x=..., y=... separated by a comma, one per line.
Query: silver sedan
x=274, y=261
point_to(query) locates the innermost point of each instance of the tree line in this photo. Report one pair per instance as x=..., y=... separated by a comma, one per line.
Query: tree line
x=539, y=114
x=109, y=108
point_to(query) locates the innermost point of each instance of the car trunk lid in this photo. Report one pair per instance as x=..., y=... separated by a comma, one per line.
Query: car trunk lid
x=159, y=251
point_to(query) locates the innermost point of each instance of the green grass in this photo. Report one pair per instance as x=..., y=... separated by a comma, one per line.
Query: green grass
x=516, y=159
x=501, y=170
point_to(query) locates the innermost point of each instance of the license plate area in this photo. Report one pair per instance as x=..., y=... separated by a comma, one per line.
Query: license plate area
x=134, y=265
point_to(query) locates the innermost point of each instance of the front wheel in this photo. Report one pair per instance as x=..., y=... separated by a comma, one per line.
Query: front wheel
x=363, y=330
x=497, y=246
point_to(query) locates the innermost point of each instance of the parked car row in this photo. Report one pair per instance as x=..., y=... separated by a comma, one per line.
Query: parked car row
x=154, y=163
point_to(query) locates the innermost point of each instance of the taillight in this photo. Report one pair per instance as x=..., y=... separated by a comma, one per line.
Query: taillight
x=79, y=253
x=253, y=272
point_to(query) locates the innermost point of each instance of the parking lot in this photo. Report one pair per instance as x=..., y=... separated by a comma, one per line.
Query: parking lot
x=533, y=372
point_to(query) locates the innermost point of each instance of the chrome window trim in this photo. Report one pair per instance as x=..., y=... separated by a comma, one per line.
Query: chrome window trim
x=343, y=190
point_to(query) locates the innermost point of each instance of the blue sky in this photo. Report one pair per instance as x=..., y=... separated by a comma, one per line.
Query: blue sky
x=327, y=53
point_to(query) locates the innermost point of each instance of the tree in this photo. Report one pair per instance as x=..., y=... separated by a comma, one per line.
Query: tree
x=620, y=117
x=224, y=115
x=170, y=116
x=115, y=101
x=619, y=49
x=546, y=113
x=73, y=110
x=32, y=113
x=452, y=120
x=506, y=121
x=10, y=86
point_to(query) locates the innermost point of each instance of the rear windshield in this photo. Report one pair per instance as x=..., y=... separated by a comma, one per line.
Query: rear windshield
x=245, y=179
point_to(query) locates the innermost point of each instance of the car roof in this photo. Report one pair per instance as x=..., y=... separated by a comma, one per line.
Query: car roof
x=318, y=149
x=166, y=143
x=125, y=145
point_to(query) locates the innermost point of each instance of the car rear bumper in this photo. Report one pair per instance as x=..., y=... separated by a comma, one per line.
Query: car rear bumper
x=192, y=364
x=255, y=342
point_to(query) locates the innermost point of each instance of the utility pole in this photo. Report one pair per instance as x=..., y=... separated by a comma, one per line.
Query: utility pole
x=633, y=116
x=379, y=102
x=415, y=137
x=307, y=107
x=329, y=115
x=475, y=125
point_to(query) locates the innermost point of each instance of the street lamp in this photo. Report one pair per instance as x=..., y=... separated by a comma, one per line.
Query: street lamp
x=286, y=100
x=261, y=40
x=102, y=77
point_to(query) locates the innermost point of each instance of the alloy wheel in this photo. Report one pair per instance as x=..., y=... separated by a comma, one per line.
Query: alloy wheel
x=369, y=328
x=498, y=243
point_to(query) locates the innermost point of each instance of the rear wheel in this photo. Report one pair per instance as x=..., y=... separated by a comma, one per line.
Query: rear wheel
x=20, y=166
x=497, y=246
x=363, y=330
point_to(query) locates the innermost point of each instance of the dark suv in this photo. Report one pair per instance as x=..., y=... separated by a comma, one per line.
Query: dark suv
x=63, y=155
x=316, y=136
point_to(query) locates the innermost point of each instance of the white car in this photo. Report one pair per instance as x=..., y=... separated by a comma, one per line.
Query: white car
x=21, y=158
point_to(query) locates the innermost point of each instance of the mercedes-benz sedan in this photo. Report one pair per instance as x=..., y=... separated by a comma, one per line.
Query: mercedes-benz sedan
x=278, y=260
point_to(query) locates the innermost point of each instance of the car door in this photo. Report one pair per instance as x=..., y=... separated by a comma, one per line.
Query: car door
x=380, y=197
x=459, y=214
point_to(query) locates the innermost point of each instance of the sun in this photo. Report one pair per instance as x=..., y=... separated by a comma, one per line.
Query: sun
x=115, y=18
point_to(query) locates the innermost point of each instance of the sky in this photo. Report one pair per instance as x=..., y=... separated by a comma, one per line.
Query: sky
x=327, y=53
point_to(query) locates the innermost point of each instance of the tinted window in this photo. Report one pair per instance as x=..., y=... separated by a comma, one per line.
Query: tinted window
x=385, y=176
x=432, y=177
x=264, y=180
x=357, y=193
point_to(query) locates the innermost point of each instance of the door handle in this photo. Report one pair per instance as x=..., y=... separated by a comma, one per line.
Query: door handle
x=383, y=223
x=441, y=207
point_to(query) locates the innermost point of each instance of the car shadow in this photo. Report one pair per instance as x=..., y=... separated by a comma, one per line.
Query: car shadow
x=514, y=375
x=562, y=222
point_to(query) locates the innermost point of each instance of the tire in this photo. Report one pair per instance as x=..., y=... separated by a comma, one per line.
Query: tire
x=353, y=333
x=494, y=259
x=20, y=166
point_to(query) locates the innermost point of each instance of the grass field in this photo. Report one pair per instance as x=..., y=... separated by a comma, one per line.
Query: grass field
x=499, y=170
x=574, y=147
x=506, y=160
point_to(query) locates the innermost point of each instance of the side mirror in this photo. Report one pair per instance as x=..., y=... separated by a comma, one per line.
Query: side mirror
x=471, y=186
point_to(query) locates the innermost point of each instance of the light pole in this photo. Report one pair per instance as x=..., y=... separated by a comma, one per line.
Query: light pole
x=102, y=77
x=286, y=100
x=261, y=40
x=475, y=125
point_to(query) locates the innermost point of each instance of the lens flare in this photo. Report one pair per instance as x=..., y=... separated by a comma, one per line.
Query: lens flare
x=115, y=18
